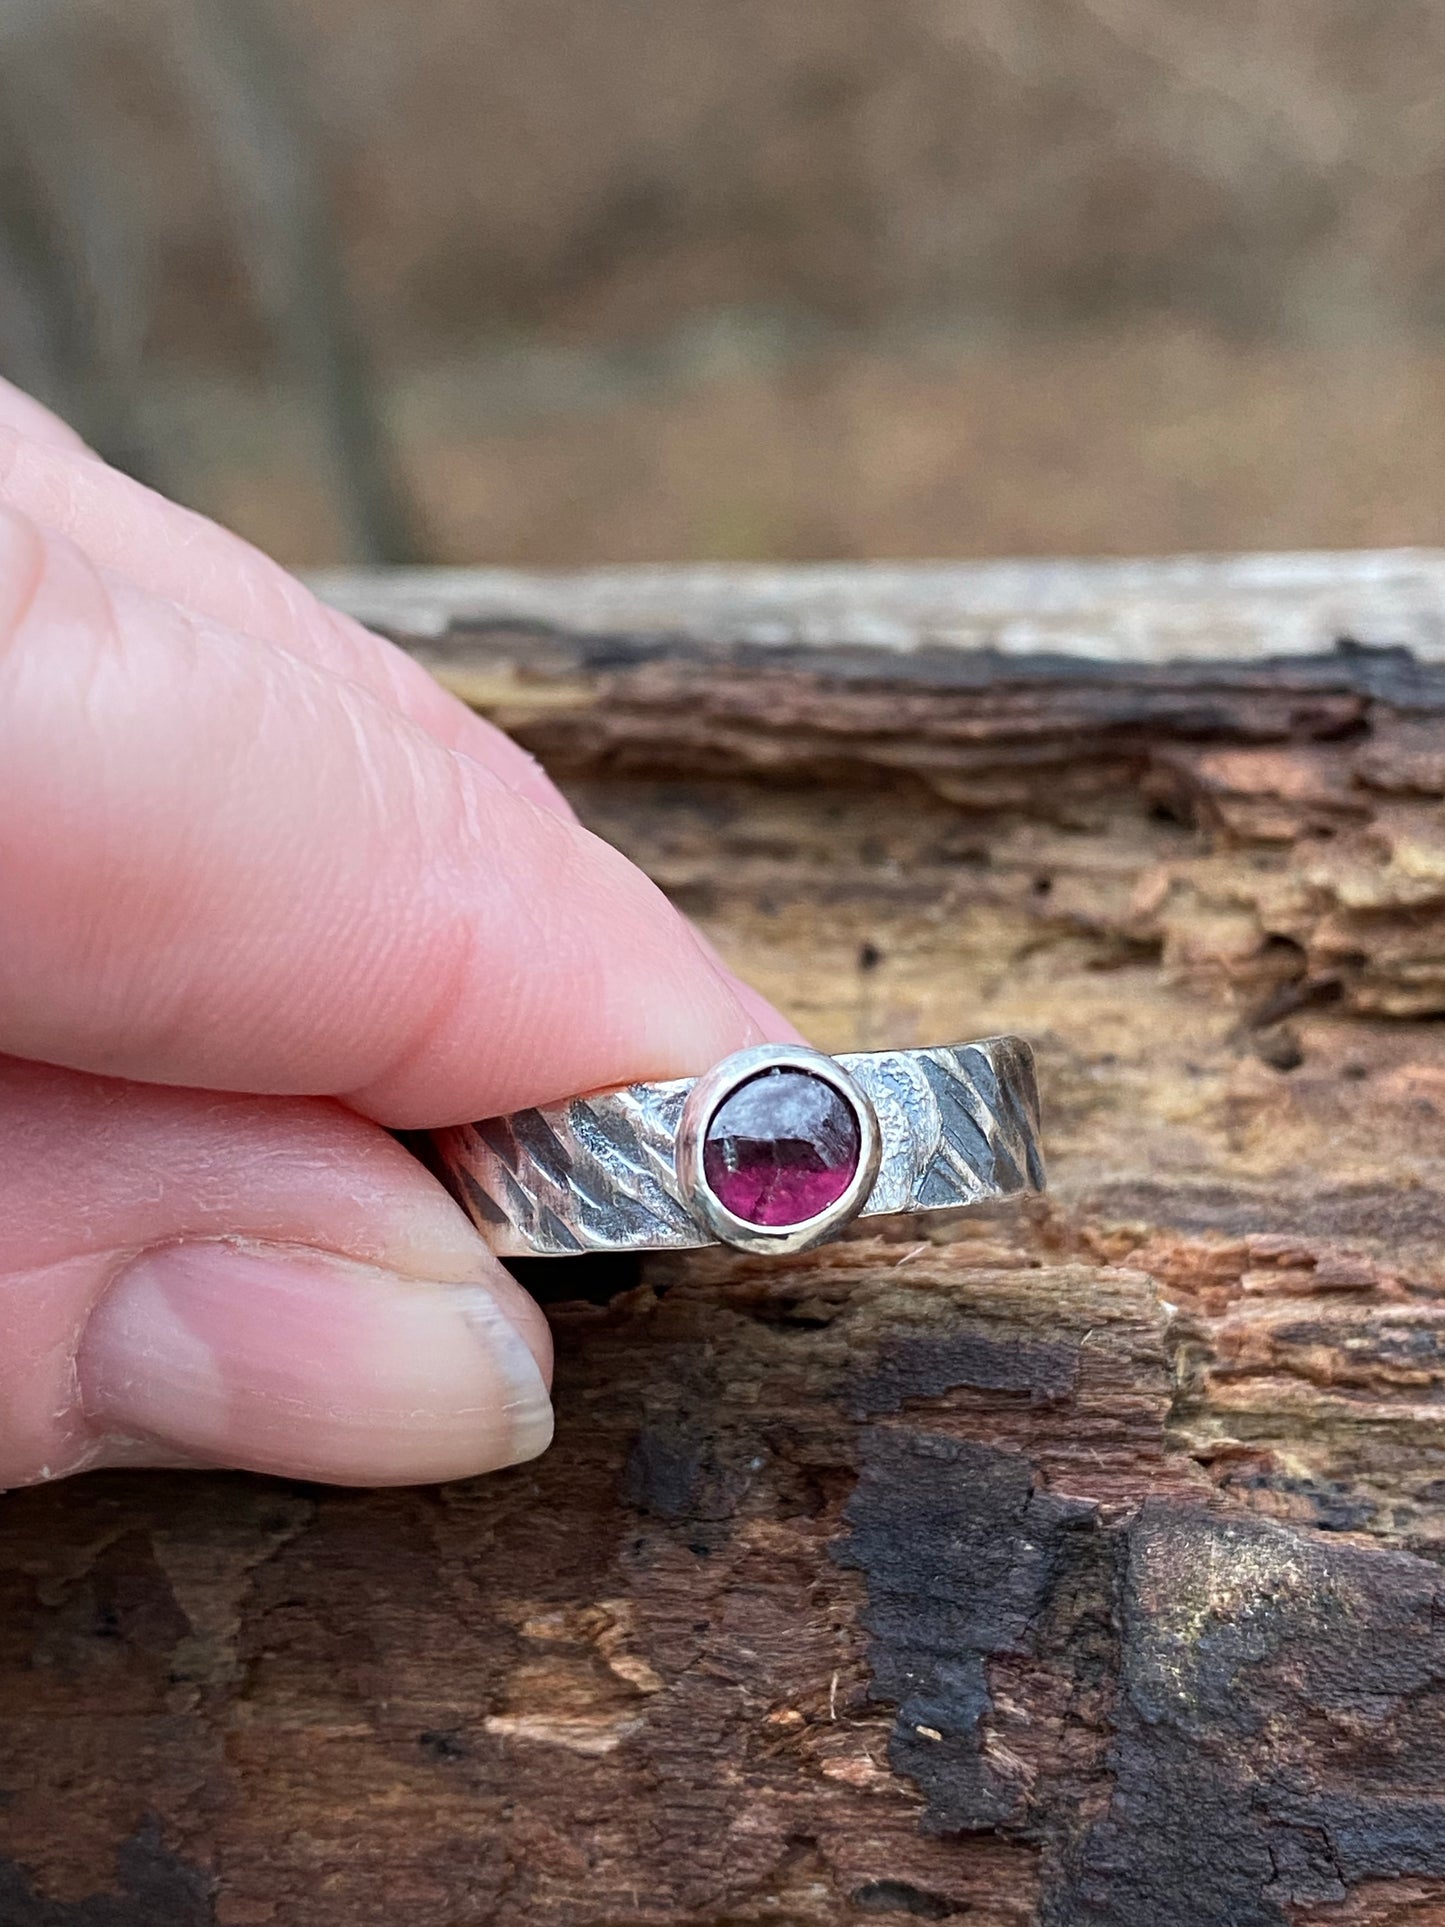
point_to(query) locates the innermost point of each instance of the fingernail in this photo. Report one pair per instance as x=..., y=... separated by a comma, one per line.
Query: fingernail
x=768, y=1023
x=286, y=1360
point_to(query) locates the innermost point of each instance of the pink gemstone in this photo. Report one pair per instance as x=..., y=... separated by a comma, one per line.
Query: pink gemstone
x=782, y=1148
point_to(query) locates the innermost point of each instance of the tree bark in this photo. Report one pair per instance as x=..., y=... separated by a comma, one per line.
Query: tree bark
x=1075, y=1564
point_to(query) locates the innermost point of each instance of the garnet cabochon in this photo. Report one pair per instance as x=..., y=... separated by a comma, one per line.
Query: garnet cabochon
x=781, y=1148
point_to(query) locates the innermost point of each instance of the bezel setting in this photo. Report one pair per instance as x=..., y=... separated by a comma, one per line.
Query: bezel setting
x=706, y=1097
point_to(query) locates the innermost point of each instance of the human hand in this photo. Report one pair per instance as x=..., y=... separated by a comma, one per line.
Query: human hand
x=266, y=889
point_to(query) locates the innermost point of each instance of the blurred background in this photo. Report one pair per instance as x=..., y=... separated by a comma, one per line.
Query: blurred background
x=564, y=281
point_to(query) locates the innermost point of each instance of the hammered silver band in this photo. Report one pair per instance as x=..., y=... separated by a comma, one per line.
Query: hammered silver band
x=623, y=1170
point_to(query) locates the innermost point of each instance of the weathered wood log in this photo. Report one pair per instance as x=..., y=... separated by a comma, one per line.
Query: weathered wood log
x=1076, y=1564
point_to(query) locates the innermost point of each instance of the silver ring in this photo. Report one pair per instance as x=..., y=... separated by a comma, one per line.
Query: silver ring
x=754, y=1071
x=773, y=1150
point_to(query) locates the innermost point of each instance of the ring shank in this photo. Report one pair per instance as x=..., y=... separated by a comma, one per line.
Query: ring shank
x=959, y=1125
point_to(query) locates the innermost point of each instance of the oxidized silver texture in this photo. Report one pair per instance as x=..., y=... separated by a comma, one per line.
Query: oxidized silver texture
x=956, y=1125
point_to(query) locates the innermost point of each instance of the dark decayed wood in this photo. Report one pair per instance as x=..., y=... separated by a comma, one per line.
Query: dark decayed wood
x=1076, y=1564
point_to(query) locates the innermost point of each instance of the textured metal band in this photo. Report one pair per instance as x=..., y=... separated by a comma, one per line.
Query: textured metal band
x=957, y=1125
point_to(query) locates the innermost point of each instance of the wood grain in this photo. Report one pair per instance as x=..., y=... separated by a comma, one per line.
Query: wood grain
x=1074, y=1565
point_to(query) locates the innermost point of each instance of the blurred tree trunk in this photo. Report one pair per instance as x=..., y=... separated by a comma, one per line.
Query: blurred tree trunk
x=75, y=258
x=243, y=71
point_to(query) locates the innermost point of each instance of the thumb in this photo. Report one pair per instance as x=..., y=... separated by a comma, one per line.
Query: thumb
x=267, y=1283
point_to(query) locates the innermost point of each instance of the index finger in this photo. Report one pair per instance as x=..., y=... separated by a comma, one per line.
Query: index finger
x=49, y=475
x=222, y=866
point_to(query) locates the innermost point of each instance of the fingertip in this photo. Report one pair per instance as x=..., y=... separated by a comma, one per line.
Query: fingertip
x=767, y=1022
x=506, y=1299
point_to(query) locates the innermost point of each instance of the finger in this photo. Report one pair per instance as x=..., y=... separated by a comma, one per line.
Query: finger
x=222, y=867
x=770, y=1021
x=172, y=552
x=28, y=417
x=158, y=545
x=234, y=1281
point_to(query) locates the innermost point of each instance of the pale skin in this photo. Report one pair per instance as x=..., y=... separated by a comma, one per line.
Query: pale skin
x=266, y=890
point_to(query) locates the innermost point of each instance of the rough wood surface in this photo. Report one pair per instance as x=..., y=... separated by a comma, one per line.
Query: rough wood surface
x=1076, y=1565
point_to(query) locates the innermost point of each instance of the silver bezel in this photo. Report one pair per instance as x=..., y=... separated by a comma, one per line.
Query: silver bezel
x=718, y=1084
